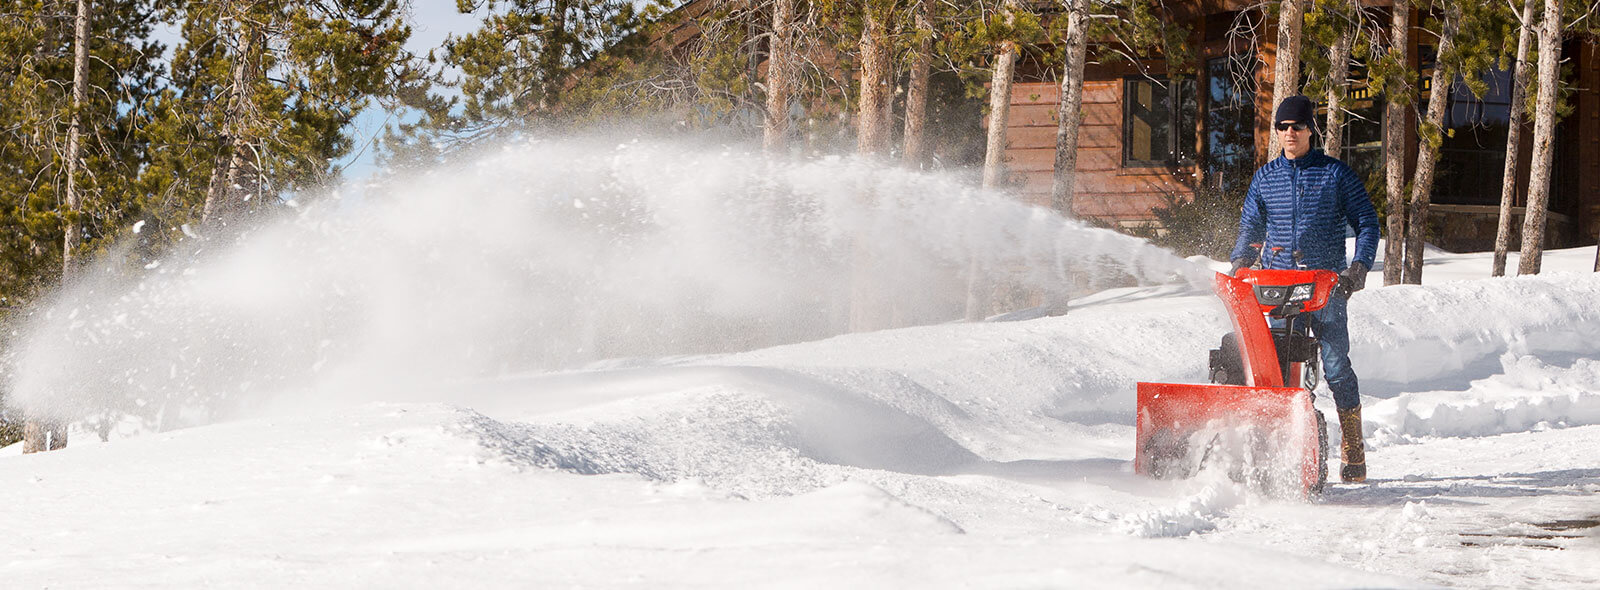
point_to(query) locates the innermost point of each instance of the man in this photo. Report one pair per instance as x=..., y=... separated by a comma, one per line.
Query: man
x=1298, y=207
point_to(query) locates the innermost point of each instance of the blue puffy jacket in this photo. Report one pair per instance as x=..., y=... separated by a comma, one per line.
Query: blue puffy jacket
x=1304, y=205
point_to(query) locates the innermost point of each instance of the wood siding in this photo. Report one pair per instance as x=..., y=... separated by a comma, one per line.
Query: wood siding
x=1107, y=191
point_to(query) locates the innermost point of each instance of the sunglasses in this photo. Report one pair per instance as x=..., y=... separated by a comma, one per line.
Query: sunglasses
x=1295, y=126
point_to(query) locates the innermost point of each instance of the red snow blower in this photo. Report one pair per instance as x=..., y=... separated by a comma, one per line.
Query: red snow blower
x=1255, y=419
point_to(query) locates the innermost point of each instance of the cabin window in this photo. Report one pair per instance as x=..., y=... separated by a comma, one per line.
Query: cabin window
x=1362, y=144
x=1230, y=122
x=1471, y=167
x=1158, y=121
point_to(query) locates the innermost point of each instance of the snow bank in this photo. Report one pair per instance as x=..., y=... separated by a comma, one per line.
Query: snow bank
x=1410, y=335
x=1529, y=394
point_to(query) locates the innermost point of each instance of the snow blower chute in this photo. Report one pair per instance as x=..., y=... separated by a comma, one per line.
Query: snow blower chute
x=1255, y=419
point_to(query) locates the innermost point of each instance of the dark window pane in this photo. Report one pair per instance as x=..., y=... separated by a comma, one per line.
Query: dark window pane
x=1469, y=177
x=1230, y=122
x=1187, y=109
x=1139, y=131
x=1158, y=126
x=1471, y=164
x=1149, y=124
x=1363, y=126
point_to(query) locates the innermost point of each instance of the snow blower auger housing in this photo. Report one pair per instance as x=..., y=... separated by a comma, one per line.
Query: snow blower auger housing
x=1255, y=419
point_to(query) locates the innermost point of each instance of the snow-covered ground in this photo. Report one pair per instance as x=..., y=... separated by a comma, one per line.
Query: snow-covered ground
x=989, y=454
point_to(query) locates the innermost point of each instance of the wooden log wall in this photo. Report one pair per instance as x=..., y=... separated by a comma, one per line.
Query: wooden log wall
x=1107, y=191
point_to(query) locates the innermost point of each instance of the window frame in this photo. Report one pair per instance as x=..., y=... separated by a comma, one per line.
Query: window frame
x=1175, y=119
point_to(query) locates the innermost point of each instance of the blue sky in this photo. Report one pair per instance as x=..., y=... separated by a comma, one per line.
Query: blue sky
x=434, y=20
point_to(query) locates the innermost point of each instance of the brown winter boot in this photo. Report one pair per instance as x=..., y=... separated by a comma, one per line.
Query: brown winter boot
x=1352, y=451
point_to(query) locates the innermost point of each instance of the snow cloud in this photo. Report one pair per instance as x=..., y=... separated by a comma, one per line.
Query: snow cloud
x=547, y=255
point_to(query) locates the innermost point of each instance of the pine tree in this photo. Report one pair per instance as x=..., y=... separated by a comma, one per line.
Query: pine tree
x=1394, y=73
x=1345, y=29
x=520, y=70
x=262, y=96
x=36, y=116
x=876, y=53
x=46, y=434
x=915, y=150
x=1005, y=60
x=1525, y=24
x=1431, y=140
x=1544, y=125
x=782, y=60
x=70, y=96
x=1069, y=117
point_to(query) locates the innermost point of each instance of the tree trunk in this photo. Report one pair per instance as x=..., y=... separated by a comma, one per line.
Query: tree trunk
x=916, y=148
x=40, y=434
x=1339, y=60
x=1519, y=89
x=43, y=435
x=872, y=128
x=80, y=93
x=1428, y=152
x=1286, y=60
x=1394, y=149
x=1005, y=63
x=780, y=77
x=1070, y=116
x=1544, y=127
x=227, y=200
x=979, y=289
x=867, y=310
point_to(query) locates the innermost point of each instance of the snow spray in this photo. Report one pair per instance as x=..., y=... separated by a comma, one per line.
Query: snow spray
x=543, y=256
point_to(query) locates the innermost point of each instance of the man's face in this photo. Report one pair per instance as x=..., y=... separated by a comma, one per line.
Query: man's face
x=1295, y=137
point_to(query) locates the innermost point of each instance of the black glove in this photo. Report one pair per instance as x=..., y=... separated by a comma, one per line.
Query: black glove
x=1238, y=264
x=1354, y=278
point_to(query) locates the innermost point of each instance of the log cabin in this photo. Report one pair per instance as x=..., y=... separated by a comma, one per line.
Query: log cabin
x=1148, y=137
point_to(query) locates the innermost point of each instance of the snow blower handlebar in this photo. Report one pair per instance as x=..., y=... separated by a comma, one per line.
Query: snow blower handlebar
x=1251, y=295
x=1298, y=291
x=1283, y=293
x=1264, y=255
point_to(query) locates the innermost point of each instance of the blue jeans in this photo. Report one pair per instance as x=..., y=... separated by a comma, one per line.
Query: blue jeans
x=1331, y=324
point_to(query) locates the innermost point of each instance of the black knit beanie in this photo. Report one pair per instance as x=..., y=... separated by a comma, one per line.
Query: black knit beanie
x=1296, y=108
